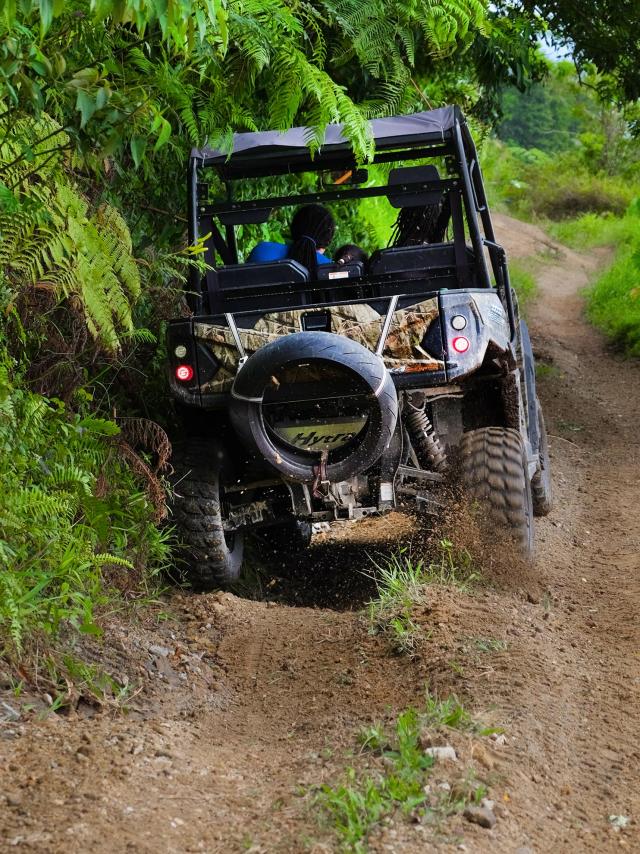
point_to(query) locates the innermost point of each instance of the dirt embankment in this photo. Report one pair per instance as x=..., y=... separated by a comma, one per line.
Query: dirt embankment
x=247, y=704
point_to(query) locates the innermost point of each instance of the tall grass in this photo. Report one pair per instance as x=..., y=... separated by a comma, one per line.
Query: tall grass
x=593, y=230
x=613, y=302
x=583, y=210
x=523, y=281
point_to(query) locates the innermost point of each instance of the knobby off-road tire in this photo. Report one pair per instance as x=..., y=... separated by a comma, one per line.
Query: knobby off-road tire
x=494, y=470
x=211, y=559
x=541, y=488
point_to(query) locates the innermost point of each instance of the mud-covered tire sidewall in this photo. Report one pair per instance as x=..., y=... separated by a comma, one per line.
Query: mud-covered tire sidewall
x=495, y=474
x=541, y=486
x=209, y=559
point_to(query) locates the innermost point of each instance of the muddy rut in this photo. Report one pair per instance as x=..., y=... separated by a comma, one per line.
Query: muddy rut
x=247, y=705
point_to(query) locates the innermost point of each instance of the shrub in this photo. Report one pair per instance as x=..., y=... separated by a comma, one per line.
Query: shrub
x=69, y=507
x=613, y=303
x=531, y=184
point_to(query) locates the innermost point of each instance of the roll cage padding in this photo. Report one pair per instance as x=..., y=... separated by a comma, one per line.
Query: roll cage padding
x=251, y=382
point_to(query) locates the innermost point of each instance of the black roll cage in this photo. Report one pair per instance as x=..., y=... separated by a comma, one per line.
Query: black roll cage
x=455, y=143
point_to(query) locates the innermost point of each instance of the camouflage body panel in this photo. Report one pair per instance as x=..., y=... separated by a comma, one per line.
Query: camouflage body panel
x=359, y=322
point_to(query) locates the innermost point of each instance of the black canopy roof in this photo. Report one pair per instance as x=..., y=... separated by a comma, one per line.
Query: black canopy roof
x=417, y=129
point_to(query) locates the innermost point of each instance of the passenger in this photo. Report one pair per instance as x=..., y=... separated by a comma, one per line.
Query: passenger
x=312, y=229
x=350, y=254
x=426, y=224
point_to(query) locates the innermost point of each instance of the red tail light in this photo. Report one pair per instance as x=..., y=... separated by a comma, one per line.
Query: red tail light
x=460, y=344
x=184, y=373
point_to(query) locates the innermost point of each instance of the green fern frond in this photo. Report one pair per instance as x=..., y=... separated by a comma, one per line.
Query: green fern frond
x=51, y=238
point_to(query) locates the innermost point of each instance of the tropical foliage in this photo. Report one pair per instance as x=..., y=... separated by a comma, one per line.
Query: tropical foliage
x=100, y=101
x=51, y=240
x=69, y=507
x=570, y=157
x=565, y=151
x=603, y=33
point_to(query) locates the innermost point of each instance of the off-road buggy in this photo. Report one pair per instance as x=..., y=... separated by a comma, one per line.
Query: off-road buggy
x=359, y=391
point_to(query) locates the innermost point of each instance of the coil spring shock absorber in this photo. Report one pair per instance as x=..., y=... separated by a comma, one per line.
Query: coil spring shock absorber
x=427, y=444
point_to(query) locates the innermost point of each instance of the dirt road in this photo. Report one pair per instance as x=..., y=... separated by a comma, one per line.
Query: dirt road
x=249, y=704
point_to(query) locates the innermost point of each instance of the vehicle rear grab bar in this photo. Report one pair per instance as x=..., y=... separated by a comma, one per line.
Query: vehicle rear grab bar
x=506, y=282
x=393, y=302
x=236, y=337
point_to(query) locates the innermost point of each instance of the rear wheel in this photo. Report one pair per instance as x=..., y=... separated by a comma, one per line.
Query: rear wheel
x=541, y=488
x=494, y=469
x=213, y=558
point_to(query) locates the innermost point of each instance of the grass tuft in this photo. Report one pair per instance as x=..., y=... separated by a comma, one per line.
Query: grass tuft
x=399, y=786
x=546, y=370
x=401, y=581
x=523, y=282
x=490, y=645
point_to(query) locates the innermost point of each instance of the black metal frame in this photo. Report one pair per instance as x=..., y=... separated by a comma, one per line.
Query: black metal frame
x=467, y=194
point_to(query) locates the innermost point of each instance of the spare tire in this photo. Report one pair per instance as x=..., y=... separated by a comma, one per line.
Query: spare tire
x=310, y=392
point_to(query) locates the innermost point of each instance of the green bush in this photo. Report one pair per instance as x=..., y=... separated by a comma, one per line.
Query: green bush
x=591, y=230
x=613, y=303
x=531, y=184
x=69, y=510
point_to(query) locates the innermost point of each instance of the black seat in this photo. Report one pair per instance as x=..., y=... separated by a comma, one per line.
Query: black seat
x=412, y=260
x=236, y=277
x=430, y=261
x=354, y=270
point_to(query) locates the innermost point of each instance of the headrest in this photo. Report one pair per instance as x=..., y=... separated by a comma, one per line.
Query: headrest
x=404, y=175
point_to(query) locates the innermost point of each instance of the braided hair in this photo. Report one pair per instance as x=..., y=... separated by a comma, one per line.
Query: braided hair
x=426, y=224
x=312, y=228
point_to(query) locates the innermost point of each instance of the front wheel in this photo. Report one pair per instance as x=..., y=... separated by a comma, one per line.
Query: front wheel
x=494, y=469
x=213, y=557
